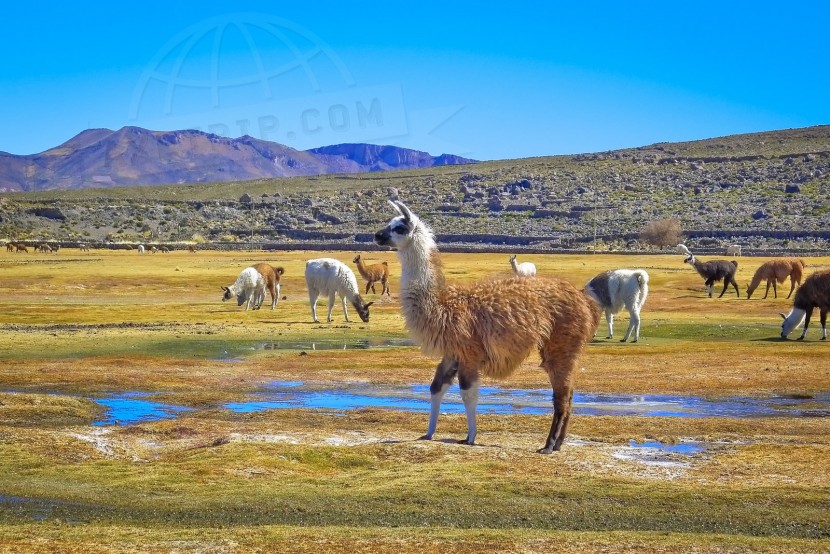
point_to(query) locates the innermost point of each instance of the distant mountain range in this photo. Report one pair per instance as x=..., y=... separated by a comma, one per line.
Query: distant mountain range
x=100, y=158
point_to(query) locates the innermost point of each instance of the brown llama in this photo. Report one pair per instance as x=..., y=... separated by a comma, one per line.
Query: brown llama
x=10, y=246
x=271, y=275
x=814, y=293
x=21, y=247
x=777, y=271
x=374, y=273
x=488, y=328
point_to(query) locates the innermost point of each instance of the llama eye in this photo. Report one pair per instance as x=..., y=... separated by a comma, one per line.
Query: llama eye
x=400, y=229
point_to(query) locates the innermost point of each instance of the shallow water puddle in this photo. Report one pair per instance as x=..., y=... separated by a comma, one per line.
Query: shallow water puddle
x=130, y=408
x=133, y=407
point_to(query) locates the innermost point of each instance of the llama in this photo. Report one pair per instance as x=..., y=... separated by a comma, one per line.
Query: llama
x=249, y=287
x=487, y=328
x=814, y=293
x=733, y=250
x=21, y=248
x=621, y=287
x=271, y=275
x=374, y=273
x=682, y=249
x=714, y=271
x=141, y=249
x=777, y=270
x=10, y=246
x=332, y=277
x=524, y=269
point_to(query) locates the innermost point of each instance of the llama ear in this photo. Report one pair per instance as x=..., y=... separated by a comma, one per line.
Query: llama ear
x=394, y=205
x=407, y=215
x=369, y=304
x=782, y=316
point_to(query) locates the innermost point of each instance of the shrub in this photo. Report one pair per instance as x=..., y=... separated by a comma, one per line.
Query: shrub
x=662, y=233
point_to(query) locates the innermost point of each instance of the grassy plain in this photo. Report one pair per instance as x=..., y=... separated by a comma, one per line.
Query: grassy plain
x=77, y=326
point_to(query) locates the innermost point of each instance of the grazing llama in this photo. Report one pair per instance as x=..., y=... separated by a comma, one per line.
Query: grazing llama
x=271, y=275
x=733, y=250
x=714, y=271
x=487, y=328
x=249, y=287
x=682, y=249
x=814, y=293
x=777, y=270
x=524, y=269
x=331, y=277
x=621, y=287
x=374, y=273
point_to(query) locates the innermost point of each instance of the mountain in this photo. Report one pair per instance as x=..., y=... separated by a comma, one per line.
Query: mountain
x=100, y=158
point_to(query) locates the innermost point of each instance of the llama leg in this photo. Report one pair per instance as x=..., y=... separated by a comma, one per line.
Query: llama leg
x=774, y=290
x=633, y=325
x=444, y=376
x=312, y=297
x=792, y=287
x=368, y=284
x=823, y=319
x=609, y=317
x=331, y=307
x=561, y=380
x=735, y=285
x=276, y=299
x=807, y=317
x=469, y=394
x=709, y=287
x=767, y=292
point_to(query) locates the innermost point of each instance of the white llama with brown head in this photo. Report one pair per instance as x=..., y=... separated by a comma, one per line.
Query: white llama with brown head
x=487, y=328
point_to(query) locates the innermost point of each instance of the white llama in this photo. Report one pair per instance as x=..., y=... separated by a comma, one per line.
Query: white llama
x=621, y=287
x=331, y=277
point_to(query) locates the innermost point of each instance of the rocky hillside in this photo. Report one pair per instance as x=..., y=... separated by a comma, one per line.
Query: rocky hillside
x=766, y=191
x=100, y=158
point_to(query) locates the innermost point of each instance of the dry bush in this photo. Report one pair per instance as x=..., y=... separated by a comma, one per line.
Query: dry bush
x=662, y=233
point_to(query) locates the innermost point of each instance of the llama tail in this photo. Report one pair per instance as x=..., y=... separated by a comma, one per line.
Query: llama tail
x=279, y=270
x=735, y=263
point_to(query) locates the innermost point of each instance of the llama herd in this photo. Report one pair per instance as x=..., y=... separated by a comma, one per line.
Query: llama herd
x=488, y=328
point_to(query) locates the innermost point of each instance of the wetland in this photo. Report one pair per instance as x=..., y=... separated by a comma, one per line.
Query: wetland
x=138, y=412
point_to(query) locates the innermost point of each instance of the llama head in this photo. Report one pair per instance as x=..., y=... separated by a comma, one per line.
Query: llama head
x=227, y=294
x=791, y=321
x=402, y=229
x=362, y=309
x=749, y=290
x=356, y=259
x=513, y=258
x=690, y=259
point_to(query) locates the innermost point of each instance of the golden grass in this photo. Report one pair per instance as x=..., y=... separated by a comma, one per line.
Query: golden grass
x=84, y=325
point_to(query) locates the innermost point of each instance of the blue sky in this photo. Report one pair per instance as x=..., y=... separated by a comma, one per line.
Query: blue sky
x=507, y=81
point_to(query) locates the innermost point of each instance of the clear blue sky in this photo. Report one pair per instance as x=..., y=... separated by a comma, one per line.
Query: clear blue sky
x=496, y=81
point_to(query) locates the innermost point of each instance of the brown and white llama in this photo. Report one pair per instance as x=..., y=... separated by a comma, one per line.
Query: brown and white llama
x=777, y=271
x=814, y=293
x=373, y=274
x=488, y=328
x=272, y=282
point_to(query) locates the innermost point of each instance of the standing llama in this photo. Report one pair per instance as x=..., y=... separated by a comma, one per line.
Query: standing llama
x=621, y=287
x=777, y=270
x=814, y=293
x=374, y=273
x=330, y=277
x=524, y=269
x=249, y=287
x=487, y=328
x=272, y=276
x=715, y=271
